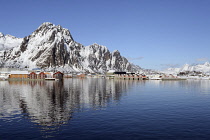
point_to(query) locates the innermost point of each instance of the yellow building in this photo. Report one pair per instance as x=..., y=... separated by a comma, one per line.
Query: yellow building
x=19, y=74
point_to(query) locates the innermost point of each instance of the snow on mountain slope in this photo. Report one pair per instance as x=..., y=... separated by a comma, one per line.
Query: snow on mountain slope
x=52, y=47
x=36, y=48
x=204, y=68
x=7, y=41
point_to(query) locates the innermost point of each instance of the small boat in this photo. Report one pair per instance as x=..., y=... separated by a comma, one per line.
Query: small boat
x=155, y=77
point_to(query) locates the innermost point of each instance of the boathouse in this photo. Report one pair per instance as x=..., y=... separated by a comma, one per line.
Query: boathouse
x=58, y=75
x=32, y=75
x=19, y=74
x=41, y=75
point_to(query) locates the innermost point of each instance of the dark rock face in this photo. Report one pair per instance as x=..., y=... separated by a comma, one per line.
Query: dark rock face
x=52, y=46
x=24, y=44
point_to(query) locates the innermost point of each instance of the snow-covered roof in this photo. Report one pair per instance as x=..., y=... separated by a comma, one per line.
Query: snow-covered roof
x=111, y=71
x=4, y=72
x=19, y=72
x=36, y=69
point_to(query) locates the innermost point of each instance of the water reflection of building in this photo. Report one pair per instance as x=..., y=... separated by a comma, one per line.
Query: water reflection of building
x=51, y=103
x=9, y=101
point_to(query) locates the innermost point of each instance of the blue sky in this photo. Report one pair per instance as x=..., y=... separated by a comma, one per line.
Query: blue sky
x=153, y=34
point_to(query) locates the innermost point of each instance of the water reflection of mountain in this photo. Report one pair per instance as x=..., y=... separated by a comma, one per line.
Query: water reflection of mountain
x=52, y=103
x=189, y=85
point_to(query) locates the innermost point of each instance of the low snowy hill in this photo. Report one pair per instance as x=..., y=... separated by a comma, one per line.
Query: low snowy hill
x=204, y=68
x=53, y=47
x=7, y=42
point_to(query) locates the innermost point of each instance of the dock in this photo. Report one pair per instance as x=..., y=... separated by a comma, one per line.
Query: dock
x=50, y=79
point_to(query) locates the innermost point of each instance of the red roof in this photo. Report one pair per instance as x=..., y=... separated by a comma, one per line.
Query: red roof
x=58, y=73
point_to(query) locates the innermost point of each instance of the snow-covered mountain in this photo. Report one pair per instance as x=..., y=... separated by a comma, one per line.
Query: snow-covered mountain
x=53, y=47
x=7, y=41
x=204, y=68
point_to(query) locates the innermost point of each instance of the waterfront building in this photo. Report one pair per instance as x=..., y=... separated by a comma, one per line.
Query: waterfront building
x=19, y=74
x=58, y=75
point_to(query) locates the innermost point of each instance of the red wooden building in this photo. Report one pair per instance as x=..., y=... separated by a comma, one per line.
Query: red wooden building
x=58, y=75
x=32, y=75
x=41, y=75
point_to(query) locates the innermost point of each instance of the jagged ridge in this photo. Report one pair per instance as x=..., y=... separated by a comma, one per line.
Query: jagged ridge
x=204, y=68
x=53, y=47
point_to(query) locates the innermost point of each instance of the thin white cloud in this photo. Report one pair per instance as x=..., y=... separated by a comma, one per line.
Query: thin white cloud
x=135, y=58
x=202, y=59
x=170, y=65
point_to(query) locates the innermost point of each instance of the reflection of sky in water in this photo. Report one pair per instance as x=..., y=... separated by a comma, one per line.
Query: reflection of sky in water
x=189, y=86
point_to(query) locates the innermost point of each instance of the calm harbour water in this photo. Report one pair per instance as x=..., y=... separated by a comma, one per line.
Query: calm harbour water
x=105, y=109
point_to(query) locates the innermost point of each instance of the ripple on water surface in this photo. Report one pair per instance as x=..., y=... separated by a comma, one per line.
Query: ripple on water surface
x=105, y=109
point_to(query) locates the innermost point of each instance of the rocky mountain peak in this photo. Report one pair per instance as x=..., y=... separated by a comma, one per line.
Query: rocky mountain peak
x=97, y=46
x=1, y=34
x=52, y=47
x=204, y=68
x=45, y=25
x=50, y=29
x=116, y=53
x=206, y=64
x=10, y=36
x=7, y=36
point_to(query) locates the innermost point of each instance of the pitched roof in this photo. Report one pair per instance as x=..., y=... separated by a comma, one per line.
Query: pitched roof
x=19, y=72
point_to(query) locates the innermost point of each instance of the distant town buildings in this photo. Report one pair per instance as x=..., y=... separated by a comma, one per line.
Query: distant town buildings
x=37, y=74
x=31, y=75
